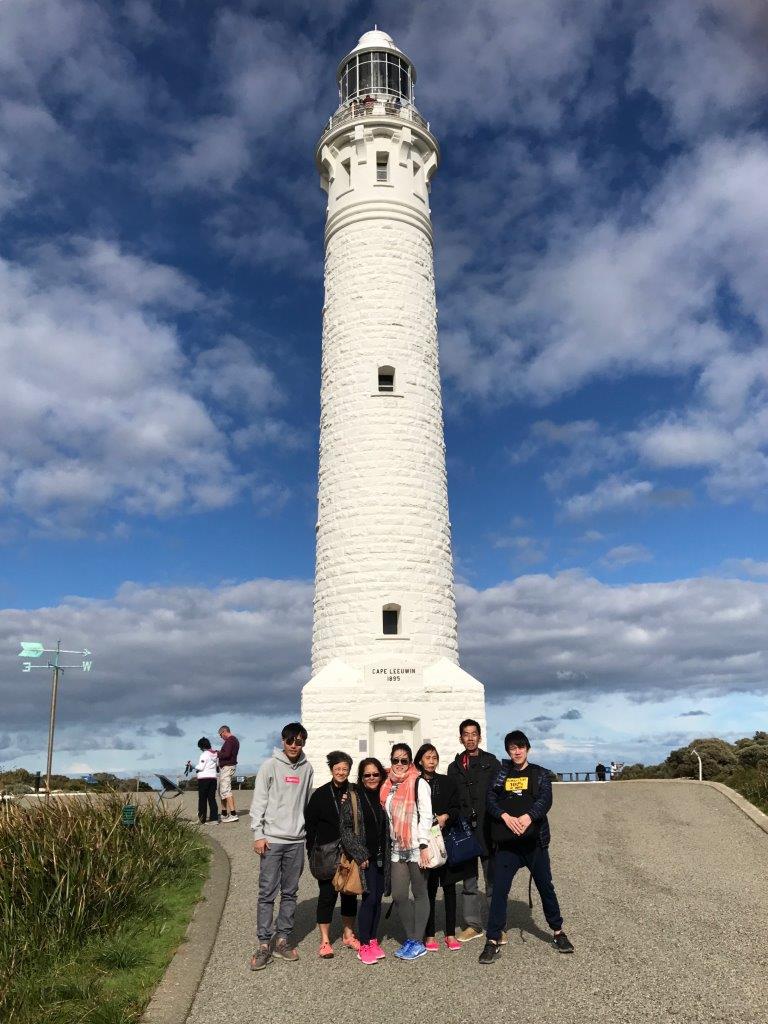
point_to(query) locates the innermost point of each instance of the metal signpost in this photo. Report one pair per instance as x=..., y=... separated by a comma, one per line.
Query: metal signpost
x=32, y=649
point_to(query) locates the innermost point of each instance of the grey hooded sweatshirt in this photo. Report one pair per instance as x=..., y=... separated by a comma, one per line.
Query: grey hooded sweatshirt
x=280, y=795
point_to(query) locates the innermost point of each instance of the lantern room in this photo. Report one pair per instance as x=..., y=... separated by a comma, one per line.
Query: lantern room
x=376, y=66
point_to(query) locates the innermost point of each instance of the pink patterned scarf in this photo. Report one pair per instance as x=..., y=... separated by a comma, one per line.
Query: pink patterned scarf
x=403, y=806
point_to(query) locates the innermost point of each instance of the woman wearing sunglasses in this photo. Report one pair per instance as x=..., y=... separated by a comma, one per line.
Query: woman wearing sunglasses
x=370, y=776
x=406, y=798
x=445, y=805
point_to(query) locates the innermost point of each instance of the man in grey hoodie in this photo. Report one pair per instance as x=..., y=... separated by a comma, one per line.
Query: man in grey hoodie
x=280, y=795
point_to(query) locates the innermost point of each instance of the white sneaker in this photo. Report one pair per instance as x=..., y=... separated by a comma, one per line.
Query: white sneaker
x=231, y=817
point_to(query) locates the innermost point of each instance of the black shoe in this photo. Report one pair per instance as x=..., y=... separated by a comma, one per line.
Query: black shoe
x=490, y=951
x=562, y=943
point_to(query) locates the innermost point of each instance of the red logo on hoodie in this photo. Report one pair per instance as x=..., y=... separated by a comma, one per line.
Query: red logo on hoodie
x=292, y=778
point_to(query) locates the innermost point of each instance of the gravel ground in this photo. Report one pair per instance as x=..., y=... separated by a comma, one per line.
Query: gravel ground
x=663, y=890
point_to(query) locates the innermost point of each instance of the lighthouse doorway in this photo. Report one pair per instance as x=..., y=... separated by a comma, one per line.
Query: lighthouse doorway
x=387, y=730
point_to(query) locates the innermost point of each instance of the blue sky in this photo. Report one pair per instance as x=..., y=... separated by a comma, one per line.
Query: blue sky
x=601, y=218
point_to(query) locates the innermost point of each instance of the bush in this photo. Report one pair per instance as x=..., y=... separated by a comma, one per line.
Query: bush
x=72, y=871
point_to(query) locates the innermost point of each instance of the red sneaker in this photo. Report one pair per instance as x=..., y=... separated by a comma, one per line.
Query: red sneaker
x=380, y=954
x=366, y=955
x=452, y=943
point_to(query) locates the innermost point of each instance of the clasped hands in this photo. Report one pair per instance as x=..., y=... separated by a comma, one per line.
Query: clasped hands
x=517, y=825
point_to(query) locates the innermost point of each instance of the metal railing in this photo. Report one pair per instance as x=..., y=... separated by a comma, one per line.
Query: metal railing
x=358, y=108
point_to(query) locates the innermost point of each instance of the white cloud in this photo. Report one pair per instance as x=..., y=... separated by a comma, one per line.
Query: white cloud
x=626, y=554
x=100, y=402
x=746, y=566
x=609, y=495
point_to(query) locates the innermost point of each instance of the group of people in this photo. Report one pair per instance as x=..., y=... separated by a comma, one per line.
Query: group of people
x=216, y=770
x=380, y=831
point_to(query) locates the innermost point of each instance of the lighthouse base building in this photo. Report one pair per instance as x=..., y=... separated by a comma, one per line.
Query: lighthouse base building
x=385, y=663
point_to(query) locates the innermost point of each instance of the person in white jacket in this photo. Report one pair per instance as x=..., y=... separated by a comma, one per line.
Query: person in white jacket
x=407, y=799
x=207, y=769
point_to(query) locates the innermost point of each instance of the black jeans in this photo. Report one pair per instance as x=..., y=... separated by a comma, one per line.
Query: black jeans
x=370, y=904
x=326, y=901
x=506, y=865
x=206, y=794
x=449, y=899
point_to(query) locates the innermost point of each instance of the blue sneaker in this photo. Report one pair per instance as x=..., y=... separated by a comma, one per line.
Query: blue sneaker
x=416, y=949
x=404, y=950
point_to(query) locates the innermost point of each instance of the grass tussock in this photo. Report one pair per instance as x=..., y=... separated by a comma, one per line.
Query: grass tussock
x=90, y=910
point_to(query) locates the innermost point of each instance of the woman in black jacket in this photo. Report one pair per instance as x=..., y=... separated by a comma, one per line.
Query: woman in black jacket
x=377, y=859
x=323, y=819
x=445, y=804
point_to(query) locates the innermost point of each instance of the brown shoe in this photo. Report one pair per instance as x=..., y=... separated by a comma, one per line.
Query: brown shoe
x=261, y=958
x=282, y=950
x=467, y=934
x=503, y=940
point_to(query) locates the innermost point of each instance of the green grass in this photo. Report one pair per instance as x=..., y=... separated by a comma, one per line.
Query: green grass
x=90, y=911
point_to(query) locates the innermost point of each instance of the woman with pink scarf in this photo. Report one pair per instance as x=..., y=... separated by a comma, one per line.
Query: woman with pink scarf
x=407, y=799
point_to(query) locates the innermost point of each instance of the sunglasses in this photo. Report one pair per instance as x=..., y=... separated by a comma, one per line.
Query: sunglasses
x=399, y=760
x=371, y=775
x=297, y=742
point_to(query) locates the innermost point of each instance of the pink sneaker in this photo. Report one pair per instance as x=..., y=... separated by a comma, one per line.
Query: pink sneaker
x=367, y=955
x=380, y=954
x=433, y=946
x=351, y=943
x=452, y=943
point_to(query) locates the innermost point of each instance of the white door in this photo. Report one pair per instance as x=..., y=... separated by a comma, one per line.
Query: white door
x=391, y=730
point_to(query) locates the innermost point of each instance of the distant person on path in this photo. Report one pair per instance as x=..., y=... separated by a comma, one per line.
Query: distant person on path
x=324, y=825
x=230, y=748
x=518, y=801
x=407, y=800
x=206, y=771
x=378, y=874
x=280, y=795
x=472, y=770
x=600, y=771
x=445, y=807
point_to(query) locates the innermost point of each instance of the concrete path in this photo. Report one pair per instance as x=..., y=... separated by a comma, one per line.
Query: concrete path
x=664, y=890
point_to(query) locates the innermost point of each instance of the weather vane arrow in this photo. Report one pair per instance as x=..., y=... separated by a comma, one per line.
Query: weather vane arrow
x=30, y=649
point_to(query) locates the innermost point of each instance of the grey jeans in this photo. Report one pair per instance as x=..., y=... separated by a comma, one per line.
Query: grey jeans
x=413, y=914
x=280, y=871
x=474, y=904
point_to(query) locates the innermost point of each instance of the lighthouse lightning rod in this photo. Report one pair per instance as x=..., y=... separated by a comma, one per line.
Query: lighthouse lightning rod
x=31, y=649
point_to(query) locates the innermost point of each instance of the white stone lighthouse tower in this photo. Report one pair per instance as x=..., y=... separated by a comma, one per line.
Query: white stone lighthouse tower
x=384, y=649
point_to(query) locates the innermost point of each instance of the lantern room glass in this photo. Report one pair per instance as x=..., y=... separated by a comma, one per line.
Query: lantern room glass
x=375, y=72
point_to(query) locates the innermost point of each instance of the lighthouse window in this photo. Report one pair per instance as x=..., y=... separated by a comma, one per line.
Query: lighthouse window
x=386, y=379
x=365, y=73
x=377, y=72
x=390, y=625
x=382, y=167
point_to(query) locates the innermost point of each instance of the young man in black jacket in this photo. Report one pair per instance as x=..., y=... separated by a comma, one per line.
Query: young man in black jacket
x=518, y=800
x=473, y=770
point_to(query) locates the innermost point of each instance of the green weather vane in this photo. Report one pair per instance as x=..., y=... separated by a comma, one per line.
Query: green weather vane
x=33, y=649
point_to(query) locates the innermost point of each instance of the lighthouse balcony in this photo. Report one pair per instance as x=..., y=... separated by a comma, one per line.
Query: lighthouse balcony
x=376, y=107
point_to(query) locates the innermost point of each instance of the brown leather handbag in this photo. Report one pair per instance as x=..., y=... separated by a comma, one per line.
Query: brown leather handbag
x=347, y=878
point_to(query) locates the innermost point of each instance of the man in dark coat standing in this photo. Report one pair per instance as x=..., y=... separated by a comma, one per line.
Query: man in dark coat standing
x=472, y=770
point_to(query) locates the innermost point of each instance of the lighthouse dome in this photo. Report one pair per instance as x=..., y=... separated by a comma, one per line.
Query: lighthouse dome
x=376, y=65
x=376, y=40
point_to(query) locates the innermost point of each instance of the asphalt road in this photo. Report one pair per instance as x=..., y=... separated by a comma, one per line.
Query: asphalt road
x=664, y=890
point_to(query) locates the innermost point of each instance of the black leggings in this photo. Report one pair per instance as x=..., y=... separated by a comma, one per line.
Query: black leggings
x=370, y=904
x=206, y=794
x=326, y=901
x=449, y=899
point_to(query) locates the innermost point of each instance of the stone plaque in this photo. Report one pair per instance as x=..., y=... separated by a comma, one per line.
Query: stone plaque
x=394, y=672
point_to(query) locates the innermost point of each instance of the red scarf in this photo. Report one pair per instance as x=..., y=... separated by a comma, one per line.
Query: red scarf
x=403, y=805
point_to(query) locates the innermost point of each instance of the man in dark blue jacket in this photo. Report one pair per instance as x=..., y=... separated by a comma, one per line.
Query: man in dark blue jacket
x=517, y=803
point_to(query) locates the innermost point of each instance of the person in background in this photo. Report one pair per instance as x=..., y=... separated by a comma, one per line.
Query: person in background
x=324, y=825
x=230, y=747
x=370, y=776
x=280, y=796
x=206, y=770
x=600, y=771
x=407, y=800
x=445, y=807
x=518, y=801
x=472, y=770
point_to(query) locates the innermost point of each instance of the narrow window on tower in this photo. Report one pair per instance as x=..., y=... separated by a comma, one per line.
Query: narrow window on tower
x=387, y=379
x=382, y=167
x=390, y=619
x=346, y=174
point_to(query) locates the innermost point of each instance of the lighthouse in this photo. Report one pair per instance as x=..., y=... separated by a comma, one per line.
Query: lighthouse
x=385, y=653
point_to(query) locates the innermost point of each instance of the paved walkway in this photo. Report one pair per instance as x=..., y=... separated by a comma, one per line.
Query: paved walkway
x=663, y=888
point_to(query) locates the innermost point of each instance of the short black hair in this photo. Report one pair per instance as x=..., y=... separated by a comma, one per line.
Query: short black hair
x=467, y=722
x=377, y=765
x=401, y=746
x=336, y=757
x=424, y=749
x=292, y=730
x=518, y=738
x=204, y=743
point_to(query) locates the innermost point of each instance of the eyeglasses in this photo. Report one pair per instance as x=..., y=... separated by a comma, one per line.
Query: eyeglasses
x=296, y=742
x=399, y=760
x=372, y=775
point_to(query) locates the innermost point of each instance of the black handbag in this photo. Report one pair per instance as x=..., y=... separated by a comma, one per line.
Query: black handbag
x=324, y=859
x=461, y=843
